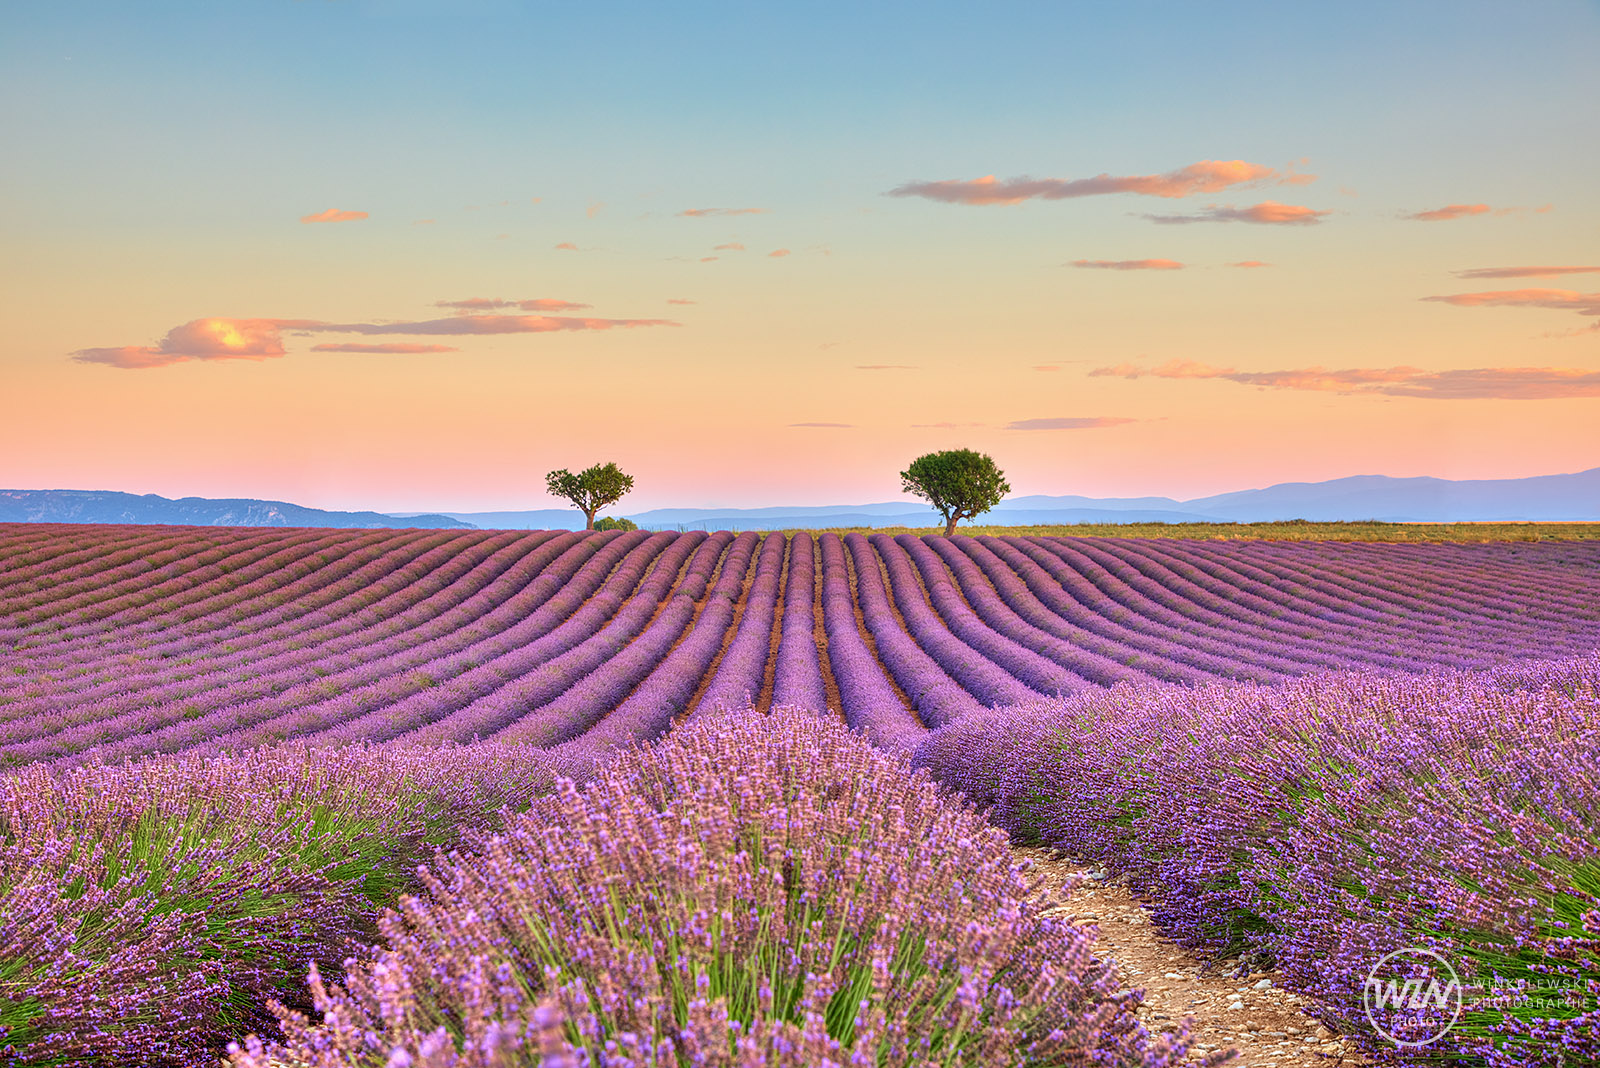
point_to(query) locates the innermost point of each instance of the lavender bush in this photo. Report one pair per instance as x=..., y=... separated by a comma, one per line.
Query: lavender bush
x=1329, y=821
x=149, y=910
x=752, y=890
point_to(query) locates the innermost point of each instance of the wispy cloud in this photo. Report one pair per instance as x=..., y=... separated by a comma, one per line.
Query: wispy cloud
x=261, y=339
x=333, y=215
x=1524, y=272
x=778, y=253
x=1449, y=211
x=418, y=222
x=1480, y=383
x=538, y=304
x=1067, y=423
x=1207, y=176
x=492, y=324
x=594, y=208
x=681, y=300
x=1248, y=264
x=566, y=246
x=701, y=213
x=1586, y=304
x=1268, y=212
x=827, y=426
x=1047, y=367
x=1130, y=265
x=886, y=367
x=943, y=426
x=731, y=246
x=398, y=348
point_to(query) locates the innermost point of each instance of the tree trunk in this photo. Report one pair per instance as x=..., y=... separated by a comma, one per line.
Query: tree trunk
x=589, y=515
x=950, y=527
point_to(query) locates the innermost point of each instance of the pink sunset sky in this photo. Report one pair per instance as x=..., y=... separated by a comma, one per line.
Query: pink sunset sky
x=411, y=256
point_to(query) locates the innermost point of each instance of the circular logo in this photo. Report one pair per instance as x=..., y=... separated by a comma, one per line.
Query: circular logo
x=1412, y=997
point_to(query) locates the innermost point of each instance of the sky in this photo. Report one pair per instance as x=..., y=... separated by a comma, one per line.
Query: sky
x=411, y=255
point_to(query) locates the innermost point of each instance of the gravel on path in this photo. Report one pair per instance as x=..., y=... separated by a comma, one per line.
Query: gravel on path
x=1251, y=1013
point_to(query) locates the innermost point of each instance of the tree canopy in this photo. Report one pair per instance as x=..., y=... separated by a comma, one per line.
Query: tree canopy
x=591, y=489
x=959, y=483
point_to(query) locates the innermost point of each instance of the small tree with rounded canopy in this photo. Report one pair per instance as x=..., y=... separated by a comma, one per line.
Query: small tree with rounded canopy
x=959, y=483
x=590, y=490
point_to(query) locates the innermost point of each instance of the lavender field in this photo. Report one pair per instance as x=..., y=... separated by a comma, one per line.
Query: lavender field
x=406, y=762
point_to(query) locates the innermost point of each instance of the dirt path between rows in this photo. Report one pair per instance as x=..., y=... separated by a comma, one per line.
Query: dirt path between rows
x=1264, y=1024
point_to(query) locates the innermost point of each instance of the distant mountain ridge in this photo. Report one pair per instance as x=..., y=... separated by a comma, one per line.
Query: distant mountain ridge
x=109, y=506
x=1542, y=498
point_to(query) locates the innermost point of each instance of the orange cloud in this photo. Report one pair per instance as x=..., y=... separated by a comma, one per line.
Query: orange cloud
x=1130, y=265
x=1065, y=423
x=1523, y=272
x=731, y=246
x=1268, y=212
x=202, y=339
x=1450, y=211
x=1207, y=176
x=1480, y=383
x=831, y=426
x=260, y=339
x=681, y=300
x=539, y=304
x=594, y=208
x=397, y=348
x=1250, y=263
x=567, y=246
x=1047, y=367
x=419, y=222
x=491, y=324
x=886, y=367
x=778, y=253
x=700, y=213
x=1555, y=299
x=333, y=215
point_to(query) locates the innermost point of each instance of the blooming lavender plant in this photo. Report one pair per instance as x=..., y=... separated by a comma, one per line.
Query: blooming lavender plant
x=149, y=910
x=1327, y=822
x=753, y=890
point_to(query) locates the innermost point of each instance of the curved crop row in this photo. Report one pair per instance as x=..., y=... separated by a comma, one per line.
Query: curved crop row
x=117, y=642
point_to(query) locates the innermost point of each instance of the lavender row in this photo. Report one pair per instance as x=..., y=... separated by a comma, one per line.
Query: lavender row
x=1027, y=666
x=871, y=704
x=737, y=682
x=293, y=662
x=910, y=652
x=1417, y=632
x=465, y=665
x=282, y=552
x=210, y=607
x=666, y=692
x=373, y=599
x=1009, y=608
x=626, y=665
x=797, y=676
x=539, y=672
x=239, y=703
x=1080, y=603
x=1238, y=617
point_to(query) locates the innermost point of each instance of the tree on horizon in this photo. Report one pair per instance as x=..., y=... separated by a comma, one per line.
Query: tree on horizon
x=591, y=489
x=959, y=483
